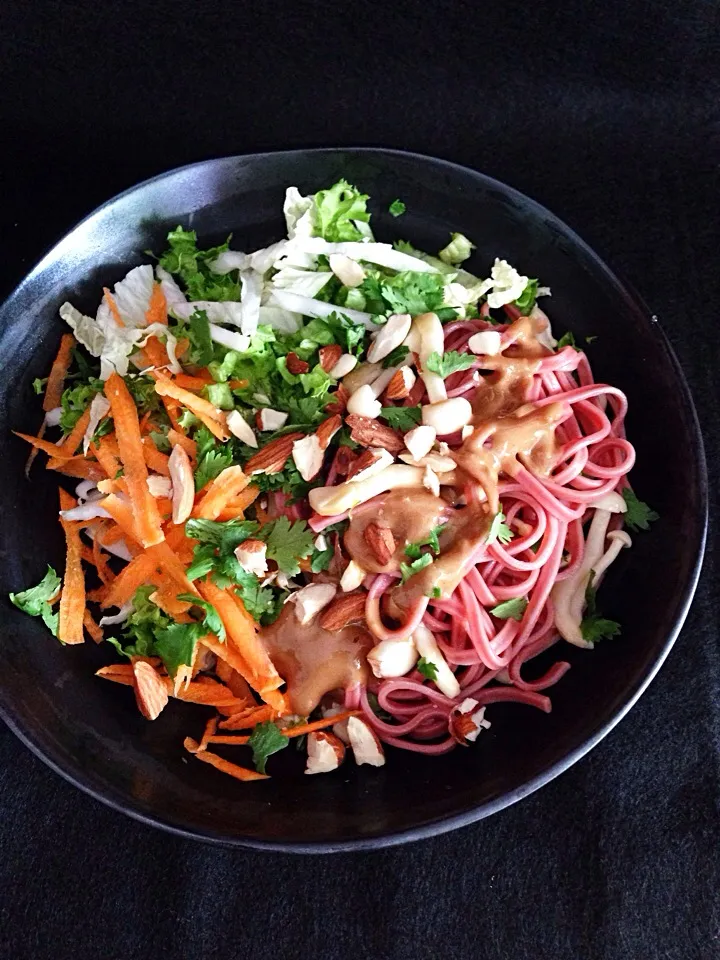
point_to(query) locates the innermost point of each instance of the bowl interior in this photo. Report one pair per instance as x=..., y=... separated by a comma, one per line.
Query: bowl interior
x=90, y=730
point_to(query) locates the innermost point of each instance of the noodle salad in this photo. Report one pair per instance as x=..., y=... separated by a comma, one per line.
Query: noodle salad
x=336, y=490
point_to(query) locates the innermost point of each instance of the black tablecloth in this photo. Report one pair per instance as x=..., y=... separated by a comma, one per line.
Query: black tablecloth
x=607, y=114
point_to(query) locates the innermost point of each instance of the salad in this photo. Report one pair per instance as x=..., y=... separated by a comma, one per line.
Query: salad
x=337, y=491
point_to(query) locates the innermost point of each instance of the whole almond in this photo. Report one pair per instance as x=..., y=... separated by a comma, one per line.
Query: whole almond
x=344, y=610
x=150, y=691
x=370, y=433
x=272, y=457
x=329, y=356
x=381, y=541
x=327, y=430
x=295, y=365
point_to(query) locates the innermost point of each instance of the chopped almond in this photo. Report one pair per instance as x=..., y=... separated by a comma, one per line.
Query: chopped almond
x=363, y=403
x=308, y=456
x=402, y=382
x=352, y=577
x=312, y=599
x=345, y=365
x=325, y=752
x=370, y=433
x=329, y=356
x=273, y=457
x=365, y=743
x=268, y=420
x=251, y=555
x=295, y=365
x=369, y=462
x=150, y=690
x=419, y=441
x=327, y=430
x=381, y=542
x=343, y=611
x=240, y=428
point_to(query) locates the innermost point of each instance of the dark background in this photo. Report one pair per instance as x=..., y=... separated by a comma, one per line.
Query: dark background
x=606, y=113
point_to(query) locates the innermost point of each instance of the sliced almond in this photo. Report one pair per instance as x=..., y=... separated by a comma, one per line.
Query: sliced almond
x=366, y=746
x=369, y=433
x=273, y=456
x=466, y=722
x=159, y=487
x=345, y=365
x=419, y=441
x=369, y=463
x=183, y=484
x=320, y=542
x=343, y=611
x=310, y=600
x=150, y=691
x=362, y=403
x=381, y=541
x=240, y=428
x=329, y=356
x=295, y=365
x=352, y=577
x=252, y=556
x=268, y=419
x=389, y=336
x=325, y=752
x=327, y=430
x=403, y=380
x=339, y=401
x=393, y=658
x=308, y=456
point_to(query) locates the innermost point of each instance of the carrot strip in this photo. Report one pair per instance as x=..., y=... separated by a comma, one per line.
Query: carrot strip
x=171, y=564
x=165, y=597
x=58, y=372
x=106, y=457
x=172, y=408
x=202, y=409
x=78, y=467
x=224, y=488
x=197, y=382
x=92, y=628
x=157, y=308
x=248, y=719
x=122, y=514
x=183, y=345
x=226, y=738
x=154, y=459
x=156, y=352
x=204, y=691
x=232, y=679
x=242, y=635
x=210, y=728
x=86, y=555
x=232, y=769
x=141, y=570
x=72, y=599
x=303, y=728
x=127, y=429
x=54, y=450
x=112, y=535
x=238, y=384
x=188, y=445
x=113, y=307
x=180, y=544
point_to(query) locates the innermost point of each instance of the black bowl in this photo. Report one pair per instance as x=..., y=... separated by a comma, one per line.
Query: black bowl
x=90, y=731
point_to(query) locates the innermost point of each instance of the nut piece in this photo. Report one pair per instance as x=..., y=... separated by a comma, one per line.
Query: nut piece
x=431, y=482
x=447, y=416
x=268, y=419
x=159, y=487
x=465, y=726
x=393, y=658
x=343, y=611
x=240, y=428
x=352, y=577
x=366, y=746
x=349, y=272
x=327, y=430
x=362, y=403
x=183, y=484
x=363, y=374
x=311, y=600
x=308, y=456
x=295, y=365
x=435, y=461
x=273, y=457
x=340, y=399
x=467, y=431
x=369, y=433
x=150, y=691
x=419, y=441
x=381, y=541
x=369, y=462
x=325, y=752
x=486, y=343
x=329, y=356
x=251, y=555
x=346, y=364
x=402, y=382
x=389, y=336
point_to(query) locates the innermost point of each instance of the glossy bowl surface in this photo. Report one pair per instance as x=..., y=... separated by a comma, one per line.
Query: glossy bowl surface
x=90, y=731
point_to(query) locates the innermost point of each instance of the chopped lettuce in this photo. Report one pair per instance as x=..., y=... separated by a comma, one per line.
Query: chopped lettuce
x=337, y=209
x=457, y=250
x=35, y=601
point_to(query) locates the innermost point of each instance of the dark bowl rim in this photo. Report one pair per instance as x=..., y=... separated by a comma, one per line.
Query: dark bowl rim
x=474, y=814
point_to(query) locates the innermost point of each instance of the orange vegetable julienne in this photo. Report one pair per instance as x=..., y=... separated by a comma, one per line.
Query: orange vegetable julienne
x=232, y=769
x=141, y=570
x=127, y=430
x=68, y=448
x=56, y=380
x=234, y=680
x=53, y=450
x=188, y=382
x=213, y=418
x=99, y=558
x=171, y=564
x=302, y=728
x=93, y=628
x=122, y=514
x=180, y=440
x=156, y=352
x=203, y=691
x=106, y=457
x=224, y=488
x=77, y=467
x=247, y=719
x=154, y=459
x=110, y=300
x=72, y=599
x=157, y=308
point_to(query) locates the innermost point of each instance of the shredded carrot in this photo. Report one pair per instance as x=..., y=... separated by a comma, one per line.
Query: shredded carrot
x=213, y=418
x=202, y=691
x=180, y=544
x=47, y=446
x=97, y=595
x=242, y=635
x=157, y=308
x=238, y=384
x=145, y=422
x=113, y=307
x=225, y=487
x=197, y=382
x=113, y=486
x=92, y=628
x=171, y=564
x=58, y=372
x=232, y=769
x=86, y=555
x=122, y=514
x=188, y=445
x=231, y=657
x=247, y=719
x=127, y=429
x=183, y=345
x=165, y=597
x=106, y=457
x=210, y=728
x=112, y=535
x=34, y=452
x=141, y=570
x=72, y=600
x=154, y=459
x=156, y=352
x=77, y=467
x=65, y=450
x=234, y=680
x=303, y=728
x=228, y=739
x=172, y=408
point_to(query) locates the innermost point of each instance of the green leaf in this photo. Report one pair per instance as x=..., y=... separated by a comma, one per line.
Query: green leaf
x=223, y=535
x=413, y=292
x=514, y=609
x=435, y=593
x=567, y=340
x=220, y=396
x=185, y=260
x=176, y=645
x=198, y=333
x=427, y=668
x=144, y=623
x=142, y=390
x=396, y=357
x=39, y=385
x=594, y=626
x=346, y=332
x=203, y=562
x=414, y=550
x=212, y=457
x=75, y=400
x=336, y=208
x=35, y=600
x=449, y=362
x=287, y=543
x=397, y=208
x=160, y=440
x=265, y=740
x=408, y=570
x=321, y=559
x=499, y=530
x=526, y=301
x=402, y=418
x=376, y=708
x=211, y=620
x=638, y=515
x=457, y=250
x=444, y=314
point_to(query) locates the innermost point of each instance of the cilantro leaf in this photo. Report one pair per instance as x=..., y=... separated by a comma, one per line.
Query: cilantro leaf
x=499, y=530
x=35, y=601
x=526, y=301
x=444, y=314
x=224, y=536
x=567, y=340
x=413, y=292
x=414, y=550
x=203, y=562
x=397, y=208
x=211, y=620
x=593, y=626
x=396, y=357
x=321, y=559
x=75, y=400
x=638, y=515
x=449, y=362
x=402, y=418
x=514, y=609
x=336, y=208
x=176, y=645
x=427, y=668
x=408, y=570
x=265, y=740
x=184, y=259
x=212, y=457
x=197, y=331
x=346, y=332
x=286, y=543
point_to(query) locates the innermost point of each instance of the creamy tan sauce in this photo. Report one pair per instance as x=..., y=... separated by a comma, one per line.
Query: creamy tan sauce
x=314, y=661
